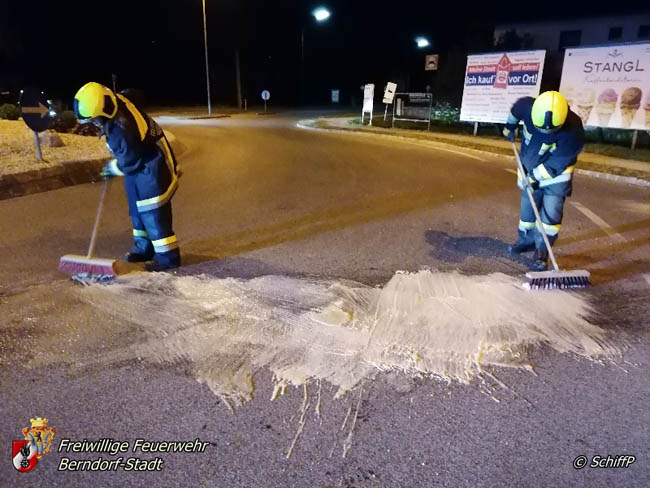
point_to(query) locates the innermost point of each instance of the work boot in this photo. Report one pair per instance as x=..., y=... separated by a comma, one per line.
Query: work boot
x=164, y=261
x=159, y=266
x=134, y=257
x=520, y=247
x=540, y=260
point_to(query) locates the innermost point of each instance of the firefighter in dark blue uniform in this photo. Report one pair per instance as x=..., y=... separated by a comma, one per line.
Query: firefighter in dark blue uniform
x=143, y=156
x=553, y=137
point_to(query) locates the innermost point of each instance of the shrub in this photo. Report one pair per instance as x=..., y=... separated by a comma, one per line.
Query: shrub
x=64, y=121
x=446, y=113
x=9, y=111
x=85, y=130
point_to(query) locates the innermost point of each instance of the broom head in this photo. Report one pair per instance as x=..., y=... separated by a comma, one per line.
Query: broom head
x=74, y=265
x=552, y=280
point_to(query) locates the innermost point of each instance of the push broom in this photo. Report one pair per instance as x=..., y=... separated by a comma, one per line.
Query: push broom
x=88, y=265
x=549, y=280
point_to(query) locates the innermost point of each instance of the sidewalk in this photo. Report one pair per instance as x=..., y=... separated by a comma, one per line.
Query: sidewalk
x=586, y=161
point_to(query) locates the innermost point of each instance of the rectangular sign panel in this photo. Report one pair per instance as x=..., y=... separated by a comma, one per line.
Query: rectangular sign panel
x=494, y=81
x=389, y=92
x=431, y=62
x=609, y=86
x=368, y=97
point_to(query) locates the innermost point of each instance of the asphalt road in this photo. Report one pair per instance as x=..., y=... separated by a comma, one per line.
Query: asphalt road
x=260, y=196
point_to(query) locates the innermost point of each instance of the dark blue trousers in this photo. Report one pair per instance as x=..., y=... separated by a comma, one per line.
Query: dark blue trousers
x=550, y=208
x=153, y=234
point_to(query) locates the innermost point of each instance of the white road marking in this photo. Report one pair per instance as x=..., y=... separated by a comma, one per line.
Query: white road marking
x=430, y=145
x=608, y=229
x=599, y=222
x=436, y=146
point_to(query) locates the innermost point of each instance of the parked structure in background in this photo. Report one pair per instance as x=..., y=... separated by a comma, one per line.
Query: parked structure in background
x=555, y=36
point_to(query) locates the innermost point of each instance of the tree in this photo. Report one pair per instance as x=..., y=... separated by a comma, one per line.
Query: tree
x=511, y=41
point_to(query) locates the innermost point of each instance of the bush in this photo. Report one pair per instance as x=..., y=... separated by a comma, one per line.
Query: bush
x=85, y=130
x=9, y=111
x=445, y=113
x=64, y=121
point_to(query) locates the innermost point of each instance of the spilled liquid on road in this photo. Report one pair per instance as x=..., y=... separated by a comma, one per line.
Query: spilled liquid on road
x=445, y=325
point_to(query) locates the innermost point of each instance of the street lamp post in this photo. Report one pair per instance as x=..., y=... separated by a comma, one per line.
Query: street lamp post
x=207, y=65
x=421, y=42
x=321, y=14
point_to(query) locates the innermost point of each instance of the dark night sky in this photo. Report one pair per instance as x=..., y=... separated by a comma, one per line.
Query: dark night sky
x=157, y=46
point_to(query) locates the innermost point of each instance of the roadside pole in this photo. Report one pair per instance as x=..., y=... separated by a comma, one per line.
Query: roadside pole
x=238, y=79
x=37, y=143
x=266, y=95
x=207, y=65
x=35, y=111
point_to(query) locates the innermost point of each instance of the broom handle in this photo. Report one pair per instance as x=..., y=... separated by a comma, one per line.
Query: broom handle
x=540, y=227
x=93, y=237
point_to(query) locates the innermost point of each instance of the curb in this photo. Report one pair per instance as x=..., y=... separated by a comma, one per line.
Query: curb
x=630, y=180
x=55, y=177
x=41, y=180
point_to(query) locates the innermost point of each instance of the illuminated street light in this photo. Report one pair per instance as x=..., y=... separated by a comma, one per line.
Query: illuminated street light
x=422, y=42
x=321, y=14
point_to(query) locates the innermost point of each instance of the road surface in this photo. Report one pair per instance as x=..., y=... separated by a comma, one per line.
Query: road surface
x=261, y=197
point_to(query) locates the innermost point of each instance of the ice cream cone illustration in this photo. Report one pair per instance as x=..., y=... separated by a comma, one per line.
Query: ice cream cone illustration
x=569, y=94
x=584, y=104
x=606, y=106
x=646, y=108
x=630, y=103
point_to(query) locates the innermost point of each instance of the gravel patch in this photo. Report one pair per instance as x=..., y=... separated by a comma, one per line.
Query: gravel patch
x=18, y=154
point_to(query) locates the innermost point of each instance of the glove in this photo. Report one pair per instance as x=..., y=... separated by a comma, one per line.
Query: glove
x=509, y=134
x=106, y=173
x=110, y=169
x=534, y=184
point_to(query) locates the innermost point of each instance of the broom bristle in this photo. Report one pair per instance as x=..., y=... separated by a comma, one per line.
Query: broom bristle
x=74, y=265
x=554, y=280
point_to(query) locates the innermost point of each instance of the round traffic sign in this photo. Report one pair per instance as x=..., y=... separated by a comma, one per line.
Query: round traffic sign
x=35, y=109
x=266, y=95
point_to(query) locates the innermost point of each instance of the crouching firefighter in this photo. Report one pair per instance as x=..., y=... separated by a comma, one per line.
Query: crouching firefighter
x=144, y=157
x=553, y=137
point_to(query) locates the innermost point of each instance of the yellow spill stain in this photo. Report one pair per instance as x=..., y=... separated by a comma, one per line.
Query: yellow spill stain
x=438, y=324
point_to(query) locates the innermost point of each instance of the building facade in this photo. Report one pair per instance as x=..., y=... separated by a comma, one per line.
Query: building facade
x=556, y=36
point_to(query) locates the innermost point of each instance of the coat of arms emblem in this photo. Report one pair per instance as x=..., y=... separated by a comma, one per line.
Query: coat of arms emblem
x=37, y=442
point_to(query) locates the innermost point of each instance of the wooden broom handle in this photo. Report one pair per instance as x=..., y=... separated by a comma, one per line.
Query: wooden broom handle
x=93, y=237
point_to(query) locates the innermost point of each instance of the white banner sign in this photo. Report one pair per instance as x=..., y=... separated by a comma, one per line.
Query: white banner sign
x=609, y=86
x=493, y=82
x=389, y=92
x=368, y=97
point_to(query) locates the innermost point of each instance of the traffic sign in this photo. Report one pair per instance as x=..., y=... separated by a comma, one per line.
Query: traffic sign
x=431, y=62
x=389, y=92
x=266, y=95
x=35, y=109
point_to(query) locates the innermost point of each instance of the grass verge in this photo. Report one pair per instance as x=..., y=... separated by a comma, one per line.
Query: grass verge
x=583, y=163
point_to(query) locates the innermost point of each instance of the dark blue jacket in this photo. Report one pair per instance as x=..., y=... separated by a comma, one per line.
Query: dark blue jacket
x=142, y=155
